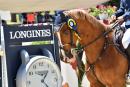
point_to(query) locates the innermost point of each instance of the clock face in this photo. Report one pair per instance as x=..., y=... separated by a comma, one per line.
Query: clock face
x=43, y=73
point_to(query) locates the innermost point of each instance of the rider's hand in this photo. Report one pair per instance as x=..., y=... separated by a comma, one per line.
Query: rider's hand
x=120, y=20
x=113, y=17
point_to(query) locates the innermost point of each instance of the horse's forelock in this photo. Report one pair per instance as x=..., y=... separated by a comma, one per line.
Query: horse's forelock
x=83, y=14
x=76, y=13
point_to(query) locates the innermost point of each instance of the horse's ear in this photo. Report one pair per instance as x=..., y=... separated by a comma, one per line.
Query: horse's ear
x=60, y=18
x=57, y=28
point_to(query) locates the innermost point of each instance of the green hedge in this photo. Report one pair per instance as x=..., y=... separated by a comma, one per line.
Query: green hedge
x=114, y=2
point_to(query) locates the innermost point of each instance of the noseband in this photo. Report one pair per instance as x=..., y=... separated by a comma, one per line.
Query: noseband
x=71, y=43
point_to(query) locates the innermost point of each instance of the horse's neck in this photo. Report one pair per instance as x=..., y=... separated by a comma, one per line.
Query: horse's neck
x=94, y=50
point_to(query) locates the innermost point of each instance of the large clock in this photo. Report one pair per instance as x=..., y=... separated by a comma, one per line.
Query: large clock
x=38, y=71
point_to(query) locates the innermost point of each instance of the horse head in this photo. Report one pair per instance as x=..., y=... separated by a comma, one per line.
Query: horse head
x=67, y=31
x=79, y=26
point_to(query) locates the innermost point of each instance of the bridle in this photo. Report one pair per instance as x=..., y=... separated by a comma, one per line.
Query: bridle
x=71, y=43
x=104, y=34
x=73, y=30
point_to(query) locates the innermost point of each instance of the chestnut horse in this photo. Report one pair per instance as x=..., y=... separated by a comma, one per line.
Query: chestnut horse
x=106, y=67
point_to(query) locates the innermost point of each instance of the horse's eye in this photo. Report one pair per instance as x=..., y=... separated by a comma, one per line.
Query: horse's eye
x=66, y=32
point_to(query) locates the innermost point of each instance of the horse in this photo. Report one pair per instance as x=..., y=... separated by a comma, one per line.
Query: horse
x=106, y=66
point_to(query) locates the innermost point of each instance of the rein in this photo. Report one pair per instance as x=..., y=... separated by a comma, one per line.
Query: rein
x=81, y=48
x=92, y=65
x=97, y=38
x=103, y=34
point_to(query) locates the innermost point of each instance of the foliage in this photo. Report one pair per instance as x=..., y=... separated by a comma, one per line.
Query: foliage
x=95, y=11
x=114, y=2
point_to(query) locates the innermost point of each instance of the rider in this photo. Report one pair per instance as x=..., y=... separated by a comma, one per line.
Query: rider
x=123, y=15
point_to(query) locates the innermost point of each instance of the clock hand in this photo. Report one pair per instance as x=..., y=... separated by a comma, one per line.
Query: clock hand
x=45, y=74
x=44, y=79
x=41, y=73
x=45, y=85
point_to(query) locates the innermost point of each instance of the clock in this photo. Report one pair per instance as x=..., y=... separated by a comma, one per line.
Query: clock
x=38, y=71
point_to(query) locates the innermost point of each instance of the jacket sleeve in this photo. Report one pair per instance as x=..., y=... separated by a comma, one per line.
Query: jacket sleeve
x=121, y=10
x=126, y=15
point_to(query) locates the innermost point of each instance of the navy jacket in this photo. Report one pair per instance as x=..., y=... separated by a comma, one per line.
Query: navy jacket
x=124, y=11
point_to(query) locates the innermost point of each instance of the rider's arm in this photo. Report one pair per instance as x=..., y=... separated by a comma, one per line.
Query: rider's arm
x=126, y=15
x=121, y=10
x=127, y=12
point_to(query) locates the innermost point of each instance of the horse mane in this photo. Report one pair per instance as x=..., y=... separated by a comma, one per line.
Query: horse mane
x=84, y=15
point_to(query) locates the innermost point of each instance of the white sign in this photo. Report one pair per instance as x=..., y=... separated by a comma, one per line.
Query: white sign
x=30, y=34
x=5, y=15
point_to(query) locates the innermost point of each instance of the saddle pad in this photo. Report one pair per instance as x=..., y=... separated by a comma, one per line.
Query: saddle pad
x=126, y=39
